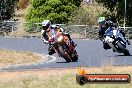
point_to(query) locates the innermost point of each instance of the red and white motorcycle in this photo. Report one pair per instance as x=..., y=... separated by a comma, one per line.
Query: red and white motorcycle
x=64, y=47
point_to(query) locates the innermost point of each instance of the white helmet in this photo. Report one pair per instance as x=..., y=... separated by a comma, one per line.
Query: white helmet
x=46, y=23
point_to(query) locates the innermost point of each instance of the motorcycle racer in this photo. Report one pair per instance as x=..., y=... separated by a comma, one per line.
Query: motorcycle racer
x=105, y=26
x=48, y=33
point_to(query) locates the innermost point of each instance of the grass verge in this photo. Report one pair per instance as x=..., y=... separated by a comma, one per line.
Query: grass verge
x=58, y=78
x=9, y=57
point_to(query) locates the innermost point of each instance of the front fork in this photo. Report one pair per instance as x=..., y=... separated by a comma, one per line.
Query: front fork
x=65, y=48
x=70, y=51
x=55, y=48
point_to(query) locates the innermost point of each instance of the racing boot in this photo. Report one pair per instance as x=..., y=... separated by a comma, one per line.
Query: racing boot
x=106, y=46
x=51, y=51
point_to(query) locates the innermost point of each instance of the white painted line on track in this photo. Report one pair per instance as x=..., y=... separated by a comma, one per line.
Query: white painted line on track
x=52, y=60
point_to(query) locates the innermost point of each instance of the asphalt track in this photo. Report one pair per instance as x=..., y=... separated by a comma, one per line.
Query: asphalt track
x=91, y=54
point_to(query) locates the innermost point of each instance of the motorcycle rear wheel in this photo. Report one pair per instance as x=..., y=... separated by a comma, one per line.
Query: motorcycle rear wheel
x=75, y=58
x=124, y=50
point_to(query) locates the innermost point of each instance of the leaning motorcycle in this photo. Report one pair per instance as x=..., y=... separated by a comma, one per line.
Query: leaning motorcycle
x=64, y=47
x=116, y=41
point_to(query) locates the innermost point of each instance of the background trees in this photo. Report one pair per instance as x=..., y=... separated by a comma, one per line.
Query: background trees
x=116, y=8
x=58, y=11
x=61, y=11
x=7, y=9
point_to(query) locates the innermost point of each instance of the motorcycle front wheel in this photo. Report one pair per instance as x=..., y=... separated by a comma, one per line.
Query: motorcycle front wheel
x=63, y=54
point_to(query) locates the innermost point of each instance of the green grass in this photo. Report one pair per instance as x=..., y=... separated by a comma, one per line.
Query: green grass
x=66, y=81
x=54, y=79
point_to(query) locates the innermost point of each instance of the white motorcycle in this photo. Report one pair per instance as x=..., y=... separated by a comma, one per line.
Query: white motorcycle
x=116, y=41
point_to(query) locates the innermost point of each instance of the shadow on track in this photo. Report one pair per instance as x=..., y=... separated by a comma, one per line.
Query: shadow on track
x=66, y=62
x=122, y=55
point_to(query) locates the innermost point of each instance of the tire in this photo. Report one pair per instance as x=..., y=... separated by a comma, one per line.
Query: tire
x=81, y=80
x=62, y=54
x=75, y=58
x=124, y=50
x=127, y=53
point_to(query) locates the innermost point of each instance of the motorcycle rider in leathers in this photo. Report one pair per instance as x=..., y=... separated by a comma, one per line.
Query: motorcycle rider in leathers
x=49, y=31
x=103, y=26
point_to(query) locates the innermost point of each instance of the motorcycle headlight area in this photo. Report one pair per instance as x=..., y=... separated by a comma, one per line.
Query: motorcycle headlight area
x=60, y=38
x=108, y=39
x=111, y=40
